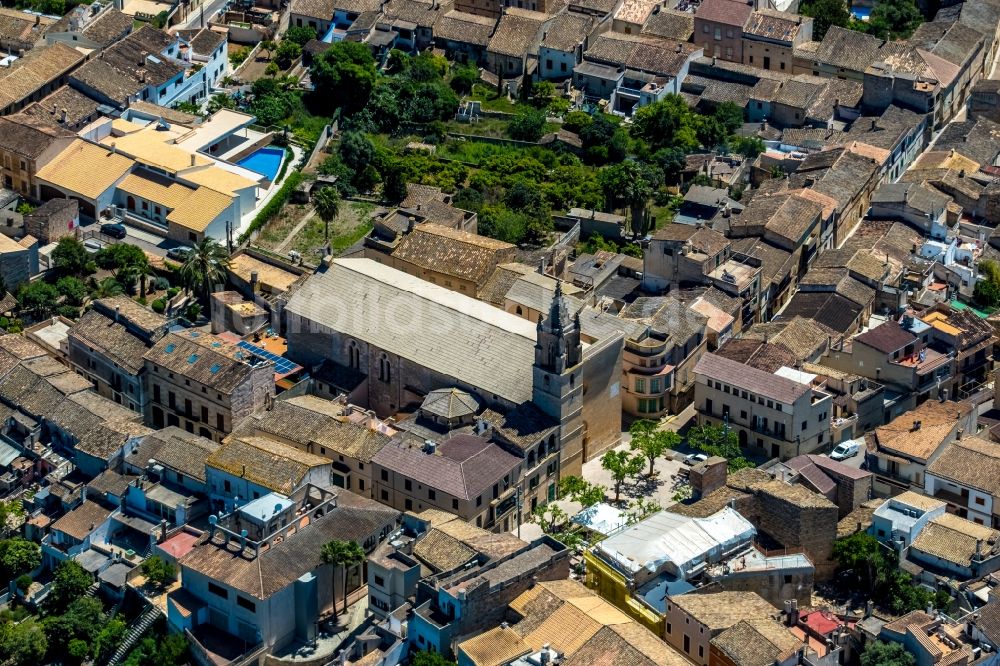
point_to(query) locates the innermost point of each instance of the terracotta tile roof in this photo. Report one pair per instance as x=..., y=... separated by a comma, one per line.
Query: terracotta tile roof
x=766, y=356
x=205, y=360
x=938, y=421
x=723, y=609
x=516, y=35
x=970, y=462
x=176, y=449
x=441, y=551
x=268, y=463
x=495, y=289
x=28, y=137
x=37, y=68
x=773, y=25
x=830, y=309
x=757, y=642
x=86, y=169
x=496, y=647
x=887, y=338
x=956, y=540
x=716, y=367
x=669, y=24
x=82, y=520
x=110, y=26
x=79, y=108
x=524, y=426
x=453, y=252
x=110, y=339
x=464, y=466
x=464, y=28
x=726, y=12
x=353, y=519
x=567, y=31
x=646, y=54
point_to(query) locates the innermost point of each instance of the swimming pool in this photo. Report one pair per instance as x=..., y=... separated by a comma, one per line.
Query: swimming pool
x=266, y=161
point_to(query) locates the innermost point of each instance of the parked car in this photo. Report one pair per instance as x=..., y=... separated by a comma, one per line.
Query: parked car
x=114, y=230
x=845, y=450
x=695, y=458
x=178, y=253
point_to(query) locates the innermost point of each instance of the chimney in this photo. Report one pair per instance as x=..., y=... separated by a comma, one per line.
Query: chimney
x=916, y=426
x=192, y=159
x=62, y=115
x=958, y=435
x=118, y=312
x=253, y=282
x=243, y=539
x=979, y=549
x=243, y=472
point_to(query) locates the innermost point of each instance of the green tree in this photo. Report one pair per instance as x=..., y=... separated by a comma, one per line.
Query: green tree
x=286, y=53
x=106, y=288
x=73, y=288
x=750, y=146
x=987, y=290
x=268, y=46
x=464, y=78
x=580, y=490
x=631, y=184
x=345, y=72
x=878, y=653
x=38, y=298
x=869, y=562
x=826, y=14
x=81, y=621
x=126, y=262
x=161, y=651
x=18, y=556
x=70, y=257
x=327, y=202
x=718, y=440
x=428, y=658
x=894, y=19
x=342, y=555
x=158, y=571
x=69, y=583
x=651, y=442
x=527, y=125
x=394, y=181
x=300, y=34
x=220, y=101
x=730, y=115
x=542, y=93
x=358, y=154
x=668, y=123
x=621, y=465
x=503, y=224
x=205, y=266
x=24, y=643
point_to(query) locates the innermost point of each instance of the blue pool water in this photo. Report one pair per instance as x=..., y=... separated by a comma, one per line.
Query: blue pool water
x=265, y=161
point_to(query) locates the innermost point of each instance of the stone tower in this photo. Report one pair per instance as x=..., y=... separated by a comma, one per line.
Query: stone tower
x=557, y=386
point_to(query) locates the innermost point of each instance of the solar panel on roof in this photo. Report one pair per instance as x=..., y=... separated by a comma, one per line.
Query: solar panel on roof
x=282, y=365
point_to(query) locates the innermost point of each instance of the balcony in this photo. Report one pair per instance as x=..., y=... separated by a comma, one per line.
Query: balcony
x=953, y=498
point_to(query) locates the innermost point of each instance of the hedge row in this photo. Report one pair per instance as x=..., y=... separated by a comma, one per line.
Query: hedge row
x=272, y=207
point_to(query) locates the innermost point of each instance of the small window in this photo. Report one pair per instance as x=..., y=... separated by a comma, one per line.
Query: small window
x=980, y=501
x=479, y=501
x=243, y=602
x=407, y=484
x=454, y=505
x=385, y=475
x=218, y=590
x=431, y=495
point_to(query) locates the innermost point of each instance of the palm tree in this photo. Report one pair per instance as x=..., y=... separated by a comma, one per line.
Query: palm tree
x=327, y=202
x=106, y=288
x=143, y=271
x=343, y=554
x=205, y=267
